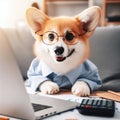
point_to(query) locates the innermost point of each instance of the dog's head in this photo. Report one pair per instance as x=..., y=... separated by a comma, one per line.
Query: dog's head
x=62, y=42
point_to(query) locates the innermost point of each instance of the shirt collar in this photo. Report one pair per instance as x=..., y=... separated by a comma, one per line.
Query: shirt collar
x=74, y=74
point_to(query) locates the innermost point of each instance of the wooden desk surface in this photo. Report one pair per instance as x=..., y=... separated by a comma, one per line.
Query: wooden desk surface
x=102, y=94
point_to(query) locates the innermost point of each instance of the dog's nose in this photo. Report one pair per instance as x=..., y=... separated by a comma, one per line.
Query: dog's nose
x=59, y=50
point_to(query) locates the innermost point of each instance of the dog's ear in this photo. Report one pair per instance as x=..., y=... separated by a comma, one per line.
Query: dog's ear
x=90, y=18
x=35, y=19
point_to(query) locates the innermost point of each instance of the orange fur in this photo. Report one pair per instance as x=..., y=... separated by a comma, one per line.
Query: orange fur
x=61, y=24
x=68, y=56
x=84, y=23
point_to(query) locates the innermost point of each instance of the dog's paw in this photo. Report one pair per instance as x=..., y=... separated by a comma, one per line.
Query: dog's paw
x=81, y=88
x=49, y=87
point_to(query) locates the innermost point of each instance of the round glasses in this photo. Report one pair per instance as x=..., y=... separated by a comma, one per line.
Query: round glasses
x=51, y=37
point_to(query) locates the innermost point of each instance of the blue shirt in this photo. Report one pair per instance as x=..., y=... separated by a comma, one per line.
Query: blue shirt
x=40, y=72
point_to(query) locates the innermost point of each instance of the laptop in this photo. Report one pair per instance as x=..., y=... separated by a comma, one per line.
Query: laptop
x=15, y=101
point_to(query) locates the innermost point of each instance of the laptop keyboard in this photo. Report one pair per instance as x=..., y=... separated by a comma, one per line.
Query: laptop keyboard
x=38, y=107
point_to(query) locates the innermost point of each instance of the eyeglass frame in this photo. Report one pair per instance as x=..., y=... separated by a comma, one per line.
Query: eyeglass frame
x=59, y=36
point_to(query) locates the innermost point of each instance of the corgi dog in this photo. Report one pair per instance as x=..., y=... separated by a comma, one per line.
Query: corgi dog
x=62, y=46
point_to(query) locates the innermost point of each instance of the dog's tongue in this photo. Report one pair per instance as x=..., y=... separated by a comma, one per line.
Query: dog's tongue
x=60, y=58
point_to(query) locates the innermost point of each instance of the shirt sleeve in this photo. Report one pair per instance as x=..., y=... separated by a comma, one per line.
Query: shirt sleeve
x=90, y=75
x=34, y=73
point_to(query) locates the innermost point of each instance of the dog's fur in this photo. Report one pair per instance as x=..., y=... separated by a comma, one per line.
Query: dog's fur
x=84, y=22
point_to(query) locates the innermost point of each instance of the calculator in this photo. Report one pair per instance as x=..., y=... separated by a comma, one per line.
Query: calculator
x=97, y=107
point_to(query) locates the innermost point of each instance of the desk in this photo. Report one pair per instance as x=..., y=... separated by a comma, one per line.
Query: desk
x=74, y=114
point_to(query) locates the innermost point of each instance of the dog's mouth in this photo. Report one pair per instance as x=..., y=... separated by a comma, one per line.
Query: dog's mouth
x=61, y=58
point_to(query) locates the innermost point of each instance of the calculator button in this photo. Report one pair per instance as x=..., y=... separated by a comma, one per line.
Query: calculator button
x=109, y=103
x=103, y=103
x=84, y=101
x=98, y=102
x=94, y=106
x=88, y=106
x=94, y=102
x=82, y=105
x=89, y=102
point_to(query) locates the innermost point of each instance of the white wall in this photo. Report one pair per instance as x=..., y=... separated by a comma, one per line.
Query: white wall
x=12, y=11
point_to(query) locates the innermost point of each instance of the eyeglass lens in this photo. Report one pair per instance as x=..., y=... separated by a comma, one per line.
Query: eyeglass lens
x=51, y=37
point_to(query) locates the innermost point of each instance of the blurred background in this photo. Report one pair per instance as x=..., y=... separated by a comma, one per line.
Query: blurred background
x=104, y=44
x=12, y=11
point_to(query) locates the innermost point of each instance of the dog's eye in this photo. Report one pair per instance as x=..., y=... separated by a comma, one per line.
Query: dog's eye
x=69, y=36
x=51, y=37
